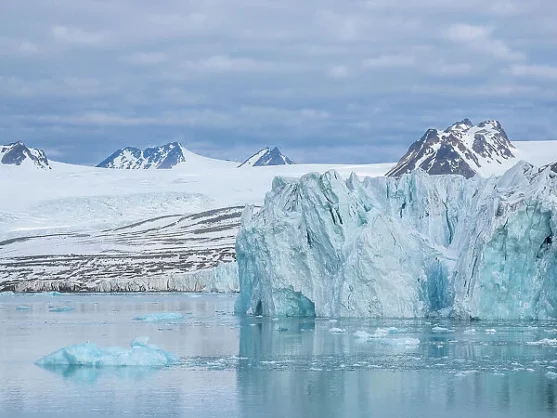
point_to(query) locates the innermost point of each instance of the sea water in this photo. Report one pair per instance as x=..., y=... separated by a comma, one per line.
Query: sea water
x=232, y=366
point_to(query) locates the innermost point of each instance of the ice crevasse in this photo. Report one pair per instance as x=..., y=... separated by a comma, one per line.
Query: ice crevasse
x=415, y=246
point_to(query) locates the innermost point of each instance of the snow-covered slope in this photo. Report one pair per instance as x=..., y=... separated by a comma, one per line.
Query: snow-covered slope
x=18, y=154
x=163, y=253
x=462, y=149
x=163, y=157
x=267, y=156
x=85, y=228
x=410, y=247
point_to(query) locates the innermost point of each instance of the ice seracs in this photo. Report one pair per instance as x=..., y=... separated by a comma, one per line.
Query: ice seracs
x=463, y=148
x=267, y=156
x=413, y=246
x=19, y=154
x=165, y=156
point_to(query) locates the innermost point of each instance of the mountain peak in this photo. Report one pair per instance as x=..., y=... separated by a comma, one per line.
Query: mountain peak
x=462, y=125
x=161, y=157
x=463, y=148
x=267, y=156
x=17, y=153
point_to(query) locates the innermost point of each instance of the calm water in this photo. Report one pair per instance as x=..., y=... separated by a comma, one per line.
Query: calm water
x=257, y=367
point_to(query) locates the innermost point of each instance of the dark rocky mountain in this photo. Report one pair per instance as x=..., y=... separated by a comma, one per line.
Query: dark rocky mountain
x=267, y=156
x=18, y=153
x=163, y=157
x=463, y=148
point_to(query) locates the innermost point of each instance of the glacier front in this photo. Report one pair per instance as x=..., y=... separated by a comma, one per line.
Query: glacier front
x=410, y=247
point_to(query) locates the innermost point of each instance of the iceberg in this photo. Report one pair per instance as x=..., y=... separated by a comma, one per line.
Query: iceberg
x=415, y=246
x=60, y=309
x=160, y=317
x=140, y=354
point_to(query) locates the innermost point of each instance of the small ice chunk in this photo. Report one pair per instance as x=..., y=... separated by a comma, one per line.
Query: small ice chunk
x=408, y=341
x=22, y=308
x=545, y=341
x=140, y=354
x=551, y=375
x=160, y=317
x=60, y=309
x=470, y=331
x=491, y=331
x=278, y=328
x=439, y=330
x=54, y=294
x=465, y=373
x=381, y=332
x=336, y=330
x=362, y=335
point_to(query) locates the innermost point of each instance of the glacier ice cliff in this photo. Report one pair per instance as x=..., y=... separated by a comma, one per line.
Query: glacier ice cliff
x=222, y=278
x=414, y=246
x=140, y=354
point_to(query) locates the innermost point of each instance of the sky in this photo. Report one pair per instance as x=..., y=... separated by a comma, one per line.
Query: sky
x=324, y=80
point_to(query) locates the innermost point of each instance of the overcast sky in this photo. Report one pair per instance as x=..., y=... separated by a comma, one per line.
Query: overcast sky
x=324, y=80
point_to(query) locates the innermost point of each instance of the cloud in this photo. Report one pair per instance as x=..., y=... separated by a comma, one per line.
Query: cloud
x=389, y=61
x=338, y=71
x=535, y=71
x=145, y=58
x=228, y=64
x=299, y=74
x=28, y=48
x=70, y=87
x=78, y=36
x=479, y=38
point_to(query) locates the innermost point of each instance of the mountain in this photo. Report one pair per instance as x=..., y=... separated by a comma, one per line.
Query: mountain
x=267, y=156
x=163, y=157
x=19, y=154
x=463, y=148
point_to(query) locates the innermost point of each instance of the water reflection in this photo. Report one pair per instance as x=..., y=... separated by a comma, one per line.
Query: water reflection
x=91, y=375
x=291, y=368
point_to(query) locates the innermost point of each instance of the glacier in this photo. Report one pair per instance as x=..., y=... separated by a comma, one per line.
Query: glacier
x=140, y=354
x=414, y=246
x=223, y=278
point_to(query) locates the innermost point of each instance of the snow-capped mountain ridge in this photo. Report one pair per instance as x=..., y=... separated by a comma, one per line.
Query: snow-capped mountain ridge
x=17, y=153
x=267, y=156
x=161, y=157
x=463, y=148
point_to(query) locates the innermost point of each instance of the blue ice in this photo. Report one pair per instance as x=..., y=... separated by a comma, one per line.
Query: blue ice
x=140, y=354
x=60, y=308
x=160, y=317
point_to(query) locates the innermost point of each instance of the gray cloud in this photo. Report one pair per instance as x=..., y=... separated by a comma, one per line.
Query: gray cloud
x=356, y=80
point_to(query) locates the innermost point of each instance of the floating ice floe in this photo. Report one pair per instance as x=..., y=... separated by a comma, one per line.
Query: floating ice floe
x=60, y=309
x=336, y=330
x=545, y=341
x=465, y=373
x=491, y=331
x=439, y=330
x=551, y=375
x=385, y=336
x=160, y=317
x=23, y=308
x=140, y=354
x=362, y=335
